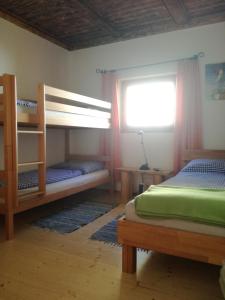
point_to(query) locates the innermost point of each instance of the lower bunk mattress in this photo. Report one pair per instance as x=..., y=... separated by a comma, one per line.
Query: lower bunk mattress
x=60, y=172
x=192, y=180
x=30, y=179
x=75, y=182
x=72, y=182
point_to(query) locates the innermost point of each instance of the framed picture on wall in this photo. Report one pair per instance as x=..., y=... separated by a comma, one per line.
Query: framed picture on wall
x=215, y=81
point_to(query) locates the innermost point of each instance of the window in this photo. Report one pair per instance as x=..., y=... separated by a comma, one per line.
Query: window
x=148, y=104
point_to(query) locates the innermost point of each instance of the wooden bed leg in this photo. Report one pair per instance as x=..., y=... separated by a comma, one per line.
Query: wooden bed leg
x=112, y=196
x=112, y=193
x=9, y=226
x=129, y=259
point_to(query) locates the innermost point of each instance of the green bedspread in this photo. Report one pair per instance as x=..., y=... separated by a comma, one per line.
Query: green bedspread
x=193, y=204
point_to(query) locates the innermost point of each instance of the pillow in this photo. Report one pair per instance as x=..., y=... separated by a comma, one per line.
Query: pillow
x=85, y=166
x=26, y=103
x=205, y=166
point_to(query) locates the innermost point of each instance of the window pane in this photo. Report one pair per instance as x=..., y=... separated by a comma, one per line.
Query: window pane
x=150, y=104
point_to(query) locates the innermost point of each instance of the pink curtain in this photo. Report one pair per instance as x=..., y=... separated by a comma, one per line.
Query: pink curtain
x=188, y=124
x=110, y=93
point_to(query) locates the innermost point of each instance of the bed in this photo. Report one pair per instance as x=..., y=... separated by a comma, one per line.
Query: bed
x=52, y=108
x=197, y=240
x=63, y=113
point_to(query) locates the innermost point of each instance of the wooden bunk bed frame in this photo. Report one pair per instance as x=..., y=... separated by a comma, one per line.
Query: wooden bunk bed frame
x=196, y=246
x=55, y=108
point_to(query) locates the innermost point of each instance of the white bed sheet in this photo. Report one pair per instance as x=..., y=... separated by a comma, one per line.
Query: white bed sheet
x=131, y=215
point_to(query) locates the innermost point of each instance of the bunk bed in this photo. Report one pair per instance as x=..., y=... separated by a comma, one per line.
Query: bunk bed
x=195, y=240
x=53, y=108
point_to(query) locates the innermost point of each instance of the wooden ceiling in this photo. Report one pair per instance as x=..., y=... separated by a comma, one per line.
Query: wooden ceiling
x=76, y=24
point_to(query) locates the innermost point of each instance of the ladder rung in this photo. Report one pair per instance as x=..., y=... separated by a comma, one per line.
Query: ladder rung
x=30, y=163
x=2, y=116
x=30, y=131
x=3, y=175
x=1, y=98
x=29, y=195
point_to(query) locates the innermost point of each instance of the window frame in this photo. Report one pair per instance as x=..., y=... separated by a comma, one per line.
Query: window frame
x=124, y=84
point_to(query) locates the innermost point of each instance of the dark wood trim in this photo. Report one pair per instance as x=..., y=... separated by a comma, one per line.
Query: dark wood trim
x=100, y=19
x=82, y=24
x=177, y=11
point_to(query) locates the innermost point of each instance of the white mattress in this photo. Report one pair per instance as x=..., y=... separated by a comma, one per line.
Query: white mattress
x=69, y=183
x=173, y=223
x=72, y=182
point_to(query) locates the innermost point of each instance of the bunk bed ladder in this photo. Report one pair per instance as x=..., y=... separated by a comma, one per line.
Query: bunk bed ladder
x=10, y=150
x=41, y=133
x=42, y=139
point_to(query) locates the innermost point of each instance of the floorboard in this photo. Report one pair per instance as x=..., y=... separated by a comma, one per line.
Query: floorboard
x=39, y=264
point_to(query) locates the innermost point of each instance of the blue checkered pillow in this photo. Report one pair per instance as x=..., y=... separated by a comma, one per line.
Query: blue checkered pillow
x=205, y=166
x=85, y=166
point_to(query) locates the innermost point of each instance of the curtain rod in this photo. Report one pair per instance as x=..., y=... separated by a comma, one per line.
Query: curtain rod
x=198, y=55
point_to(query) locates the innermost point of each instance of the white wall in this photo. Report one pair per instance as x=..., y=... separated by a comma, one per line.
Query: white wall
x=33, y=60
x=153, y=49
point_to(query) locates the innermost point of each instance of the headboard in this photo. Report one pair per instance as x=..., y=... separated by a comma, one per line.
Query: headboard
x=194, y=154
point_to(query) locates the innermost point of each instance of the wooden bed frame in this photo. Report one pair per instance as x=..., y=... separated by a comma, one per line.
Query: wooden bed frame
x=196, y=246
x=55, y=108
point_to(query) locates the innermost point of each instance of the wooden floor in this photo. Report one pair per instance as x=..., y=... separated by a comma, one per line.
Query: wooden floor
x=40, y=264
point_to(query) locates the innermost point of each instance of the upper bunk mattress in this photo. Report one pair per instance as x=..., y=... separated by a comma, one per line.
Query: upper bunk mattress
x=68, y=115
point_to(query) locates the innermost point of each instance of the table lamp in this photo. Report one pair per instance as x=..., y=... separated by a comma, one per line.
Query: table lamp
x=144, y=166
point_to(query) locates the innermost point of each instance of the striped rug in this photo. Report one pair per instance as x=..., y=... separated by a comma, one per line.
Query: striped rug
x=107, y=233
x=74, y=215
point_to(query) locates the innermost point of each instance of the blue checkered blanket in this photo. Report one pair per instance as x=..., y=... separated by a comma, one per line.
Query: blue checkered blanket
x=30, y=179
x=199, y=180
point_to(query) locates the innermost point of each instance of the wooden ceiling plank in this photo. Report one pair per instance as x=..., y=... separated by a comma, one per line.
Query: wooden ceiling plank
x=81, y=24
x=87, y=5
x=177, y=10
x=19, y=22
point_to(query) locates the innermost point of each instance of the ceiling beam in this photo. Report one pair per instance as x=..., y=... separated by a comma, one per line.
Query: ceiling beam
x=21, y=23
x=177, y=10
x=99, y=18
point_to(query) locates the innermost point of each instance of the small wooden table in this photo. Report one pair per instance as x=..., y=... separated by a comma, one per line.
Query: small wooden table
x=127, y=175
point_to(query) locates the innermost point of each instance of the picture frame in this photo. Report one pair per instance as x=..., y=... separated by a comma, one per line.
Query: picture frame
x=215, y=81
